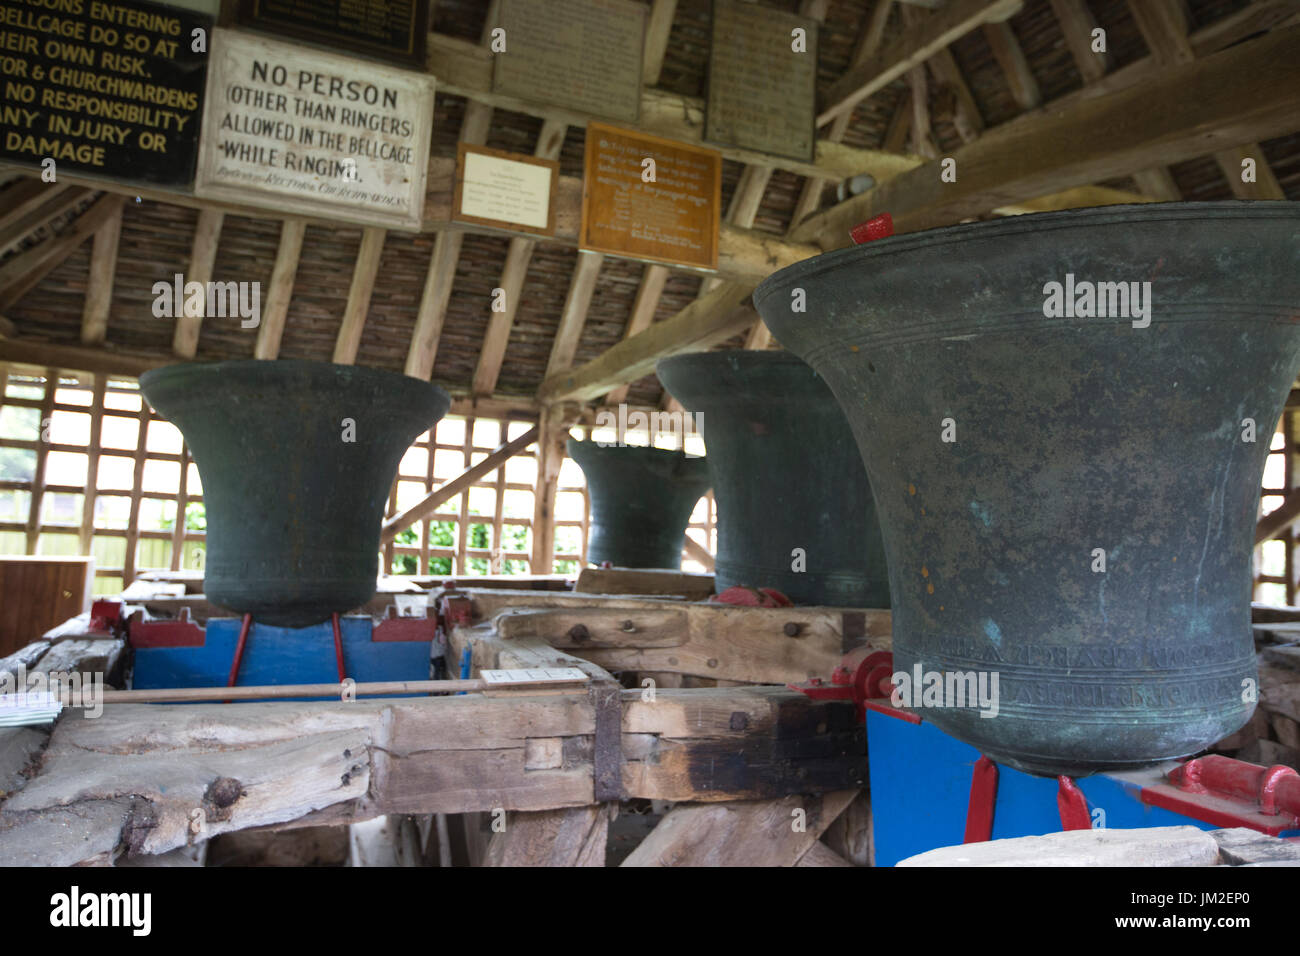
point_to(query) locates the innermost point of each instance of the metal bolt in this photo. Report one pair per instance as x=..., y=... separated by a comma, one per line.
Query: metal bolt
x=713, y=662
x=629, y=627
x=579, y=633
x=791, y=629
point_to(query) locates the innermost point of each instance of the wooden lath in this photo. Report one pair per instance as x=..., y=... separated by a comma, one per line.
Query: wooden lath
x=207, y=233
x=22, y=272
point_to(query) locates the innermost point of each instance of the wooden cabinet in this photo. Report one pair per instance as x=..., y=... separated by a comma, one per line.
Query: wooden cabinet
x=37, y=593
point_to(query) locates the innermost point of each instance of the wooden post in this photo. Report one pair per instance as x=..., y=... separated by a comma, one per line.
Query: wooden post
x=552, y=433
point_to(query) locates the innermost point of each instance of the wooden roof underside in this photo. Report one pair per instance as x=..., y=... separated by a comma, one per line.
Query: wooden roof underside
x=982, y=80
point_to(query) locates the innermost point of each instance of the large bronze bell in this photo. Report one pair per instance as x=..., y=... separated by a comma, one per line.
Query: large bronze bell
x=794, y=507
x=296, y=459
x=1065, y=418
x=641, y=502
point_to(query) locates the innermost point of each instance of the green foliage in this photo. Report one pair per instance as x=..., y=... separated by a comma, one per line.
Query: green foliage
x=196, y=518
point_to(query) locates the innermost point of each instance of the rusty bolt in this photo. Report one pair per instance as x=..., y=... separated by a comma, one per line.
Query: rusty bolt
x=579, y=633
x=791, y=629
x=629, y=627
x=224, y=791
x=713, y=662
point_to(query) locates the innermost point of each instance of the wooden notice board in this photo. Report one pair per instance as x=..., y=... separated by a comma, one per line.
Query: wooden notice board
x=111, y=88
x=396, y=30
x=39, y=594
x=672, y=220
x=582, y=55
x=506, y=190
x=293, y=128
x=762, y=91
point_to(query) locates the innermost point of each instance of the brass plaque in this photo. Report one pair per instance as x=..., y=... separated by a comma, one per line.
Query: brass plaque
x=581, y=55
x=673, y=219
x=762, y=90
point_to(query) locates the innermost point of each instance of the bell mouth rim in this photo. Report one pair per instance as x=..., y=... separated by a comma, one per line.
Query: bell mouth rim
x=733, y=377
x=649, y=450
x=1088, y=217
x=402, y=387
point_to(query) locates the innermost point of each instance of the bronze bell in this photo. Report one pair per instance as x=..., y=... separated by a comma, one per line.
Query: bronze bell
x=1065, y=418
x=794, y=507
x=296, y=459
x=641, y=502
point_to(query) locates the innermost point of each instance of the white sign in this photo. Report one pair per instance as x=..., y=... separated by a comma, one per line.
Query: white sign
x=291, y=128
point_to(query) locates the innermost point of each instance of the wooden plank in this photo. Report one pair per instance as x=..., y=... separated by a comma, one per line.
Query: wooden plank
x=1248, y=92
x=1077, y=23
x=553, y=432
x=911, y=50
x=99, y=280
x=757, y=833
x=582, y=286
x=819, y=854
x=203, y=254
x=692, y=587
x=21, y=273
x=92, y=463
x=275, y=312
x=711, y=319
x=449, y=489
x=364, y=272
x=1011, y=58
x=1077, y=198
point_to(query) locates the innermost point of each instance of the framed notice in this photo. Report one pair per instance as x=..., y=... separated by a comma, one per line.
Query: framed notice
x=582, y=55
x=762, y=80
x=506, y=190
x=295, y=129
x=396, y=30
x=110, y=89
x=649, y=198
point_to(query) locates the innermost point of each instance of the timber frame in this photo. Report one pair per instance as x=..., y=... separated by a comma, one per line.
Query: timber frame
x=1115, y=130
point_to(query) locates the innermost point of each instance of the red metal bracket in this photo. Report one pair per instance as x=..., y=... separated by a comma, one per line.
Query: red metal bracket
x=181, y=632
x=869, y=681
x=983, y=799
x=1231, y=793
x=106, y=616
x=877, y=227
x=742, y=596
x=1072, y=805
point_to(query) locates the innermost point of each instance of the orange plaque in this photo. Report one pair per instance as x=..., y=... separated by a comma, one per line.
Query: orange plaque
x=649, y=198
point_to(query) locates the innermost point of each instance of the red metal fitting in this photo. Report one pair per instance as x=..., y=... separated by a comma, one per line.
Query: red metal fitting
x=867, y=682
x=1231, y=793
x=877, y=227
x=181, y=632
x=742, y=596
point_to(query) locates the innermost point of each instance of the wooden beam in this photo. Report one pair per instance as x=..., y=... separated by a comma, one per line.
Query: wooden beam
x=1265, y=185
x=582, y=286
x=698, y=552
x=1163, y=26
x=275, y=313
x=23, y=272
x=1011, y=58
x=99, y=280
x=429, y=320
x=911, y=50
x=643, y=312
x=34, y=204
x=1248, y=92
x=554, y=431
x=102, y=359
x=364, y=272
x=658, y=28
x=1078, y=198
x=203, y=254
x=450, y=489
x=1077, y=23
x=1277, y=521
x=756, y=833
x=493, y=352
x=711, y=319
